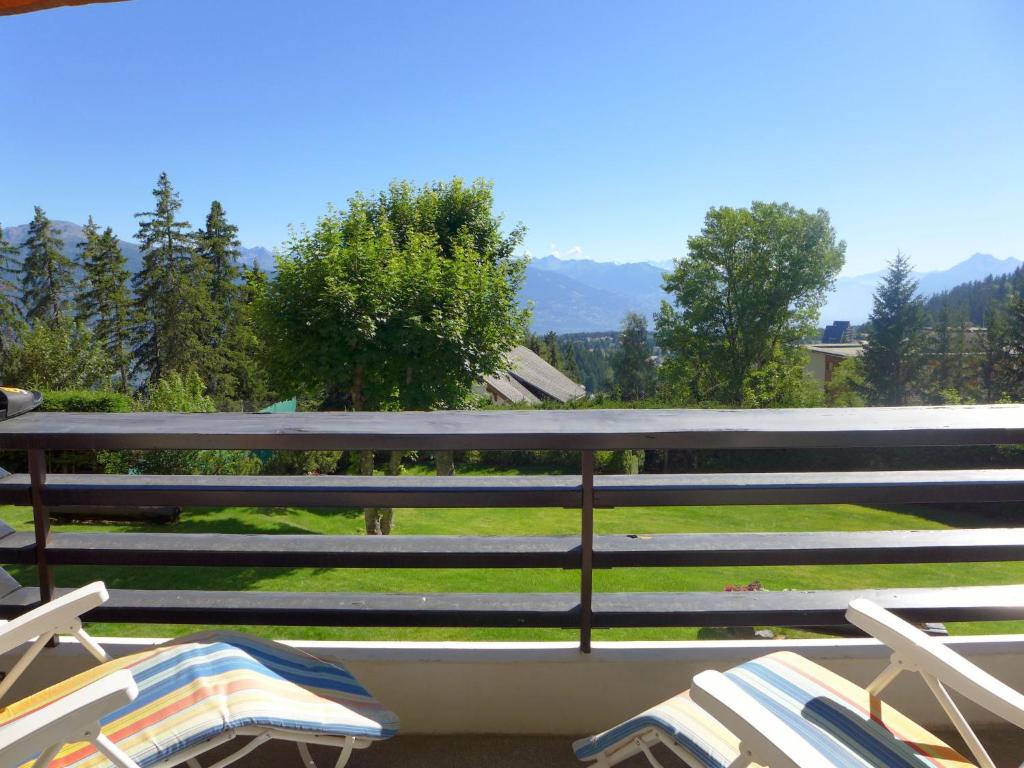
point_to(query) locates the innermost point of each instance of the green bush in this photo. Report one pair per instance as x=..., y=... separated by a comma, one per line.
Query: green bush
x=86, y=401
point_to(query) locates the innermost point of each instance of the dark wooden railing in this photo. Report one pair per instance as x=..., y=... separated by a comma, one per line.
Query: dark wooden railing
x=584, y=431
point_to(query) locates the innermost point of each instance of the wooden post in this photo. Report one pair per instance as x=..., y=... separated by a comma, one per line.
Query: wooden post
x=586, y=550
x=41, y=517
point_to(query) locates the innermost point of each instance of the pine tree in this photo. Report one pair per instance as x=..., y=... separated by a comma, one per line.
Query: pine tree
x=218, y=246
x=894, y=359
x=173, y=312
x=553, y=350
x=48, y=276
x=633, y=366
x=1010, y=353
x=10, y=310
x=85, y=299
x=104, y=303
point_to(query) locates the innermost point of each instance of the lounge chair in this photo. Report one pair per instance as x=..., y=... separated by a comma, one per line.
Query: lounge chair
x=784, y=711
x=170, y=704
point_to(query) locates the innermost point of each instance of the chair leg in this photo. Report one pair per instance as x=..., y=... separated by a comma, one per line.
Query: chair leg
x=307, y=759
x=47, y=756
x=346, y=752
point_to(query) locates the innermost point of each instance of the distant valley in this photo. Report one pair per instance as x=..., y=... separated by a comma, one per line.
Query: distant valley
x=580, y=295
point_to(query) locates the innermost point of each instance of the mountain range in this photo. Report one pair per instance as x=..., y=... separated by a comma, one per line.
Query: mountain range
x=571, y=295
x=72, y=234
x=581, y=295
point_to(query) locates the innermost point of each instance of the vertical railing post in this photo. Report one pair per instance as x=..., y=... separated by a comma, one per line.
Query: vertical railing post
x=586, y=550
x=41, y=516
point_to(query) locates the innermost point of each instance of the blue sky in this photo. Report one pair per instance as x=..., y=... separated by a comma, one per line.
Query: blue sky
x=607, y=128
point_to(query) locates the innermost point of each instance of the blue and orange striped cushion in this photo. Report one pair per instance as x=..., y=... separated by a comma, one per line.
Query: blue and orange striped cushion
x=205, y=685
x=839, y=719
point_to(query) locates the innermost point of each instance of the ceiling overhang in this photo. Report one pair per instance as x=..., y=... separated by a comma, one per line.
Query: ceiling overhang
x=11, y=7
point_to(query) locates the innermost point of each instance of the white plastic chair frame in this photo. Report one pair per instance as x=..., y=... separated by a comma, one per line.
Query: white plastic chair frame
x=76, y=717
x=769, y=740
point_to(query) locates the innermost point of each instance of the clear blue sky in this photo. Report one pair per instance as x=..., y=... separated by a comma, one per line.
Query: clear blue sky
x=608, y=128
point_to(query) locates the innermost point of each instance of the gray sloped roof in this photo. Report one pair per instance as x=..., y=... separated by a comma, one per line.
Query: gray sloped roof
x=510, y=389
x=542, y=378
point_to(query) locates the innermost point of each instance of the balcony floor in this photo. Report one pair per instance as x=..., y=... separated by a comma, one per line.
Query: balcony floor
x=1006, y=746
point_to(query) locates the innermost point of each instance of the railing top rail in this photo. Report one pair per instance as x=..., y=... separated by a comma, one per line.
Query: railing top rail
x=554, y=429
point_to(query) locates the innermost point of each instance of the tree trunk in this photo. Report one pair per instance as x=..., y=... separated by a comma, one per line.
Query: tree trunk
x=445, y=461
x=370, y=514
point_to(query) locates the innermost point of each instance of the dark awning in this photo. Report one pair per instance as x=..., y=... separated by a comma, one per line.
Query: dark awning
x=9, y=7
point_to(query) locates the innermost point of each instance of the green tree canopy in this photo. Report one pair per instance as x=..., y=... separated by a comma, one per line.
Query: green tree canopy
x=635, y=374
x=748, y=291
x=894, y=360
x=47, y=276
x=65, y=355
x=400, y=301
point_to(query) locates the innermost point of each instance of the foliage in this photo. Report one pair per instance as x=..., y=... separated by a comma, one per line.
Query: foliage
x=174, y=316
x=179, y=393
x=951, y=359
x=233, y=339
x=973, y=300
x=749, y=289
x=1009, y=349
x=403, y=301
x=103, y=301
x=64, y=355
x=47, y=276
x=847, y=388
x=894, y=359
x=86, y=401
x=635, y=374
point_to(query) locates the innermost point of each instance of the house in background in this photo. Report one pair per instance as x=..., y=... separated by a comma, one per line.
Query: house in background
x=825, y=357
x=839, y=332
x=529, y=379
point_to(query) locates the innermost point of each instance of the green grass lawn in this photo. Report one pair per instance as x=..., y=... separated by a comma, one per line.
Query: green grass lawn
x=508, y=522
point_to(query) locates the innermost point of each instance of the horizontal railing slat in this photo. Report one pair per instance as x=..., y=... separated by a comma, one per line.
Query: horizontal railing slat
x=887, y=487
x=884, y=487
x=811, y=548
x=610, y=551
x=310, y=551
x=803, y=609
x=313, y=491
x=323, y=609
x=583, y=429
x=555, y=610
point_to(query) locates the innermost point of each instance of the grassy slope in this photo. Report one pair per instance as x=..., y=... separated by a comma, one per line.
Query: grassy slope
x=534, y=522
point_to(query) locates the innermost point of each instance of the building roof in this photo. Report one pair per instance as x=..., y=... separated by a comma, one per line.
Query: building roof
x=834, y=332
x=530, y=379
x=853, y=349
x=510, y=389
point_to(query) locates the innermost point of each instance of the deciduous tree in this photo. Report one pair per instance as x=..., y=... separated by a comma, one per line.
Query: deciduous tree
x=748, y=291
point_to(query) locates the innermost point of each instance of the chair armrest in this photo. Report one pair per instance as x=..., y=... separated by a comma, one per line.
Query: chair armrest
x=918, y=652
x=764, y=738
x=60, y=615
x=72, y=718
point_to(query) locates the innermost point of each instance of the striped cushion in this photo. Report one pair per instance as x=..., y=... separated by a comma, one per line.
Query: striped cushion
x=839, y=719
x=205, y=685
